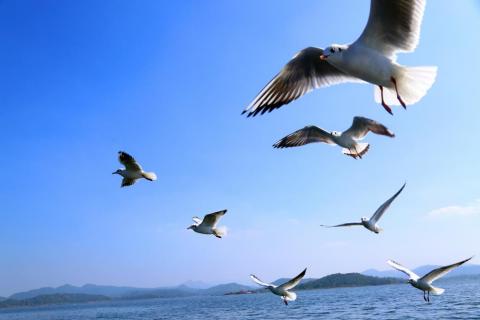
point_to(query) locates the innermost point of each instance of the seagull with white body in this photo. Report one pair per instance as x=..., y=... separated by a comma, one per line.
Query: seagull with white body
x=371, y=224
x=133, y=171
x=393, y=26
x=348, y=139
x=425, y=283
x=283, y=289
x=209, y=224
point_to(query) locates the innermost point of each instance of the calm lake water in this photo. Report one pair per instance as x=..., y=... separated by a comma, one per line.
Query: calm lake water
x=460, y=301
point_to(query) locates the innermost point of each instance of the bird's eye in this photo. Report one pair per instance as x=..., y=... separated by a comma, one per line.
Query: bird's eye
x=331, y=50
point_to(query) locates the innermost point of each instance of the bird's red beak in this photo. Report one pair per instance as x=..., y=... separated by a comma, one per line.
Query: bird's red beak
x=323, y=57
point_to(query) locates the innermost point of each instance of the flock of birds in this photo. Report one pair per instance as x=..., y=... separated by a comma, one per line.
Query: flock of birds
x=393, y=26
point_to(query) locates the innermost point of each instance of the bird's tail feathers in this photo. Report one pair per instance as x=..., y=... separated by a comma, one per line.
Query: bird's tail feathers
x=437, y=291
x=149, y=176
x=412, y=84
x=291, y=296
x=357, y=152
x=221, y=231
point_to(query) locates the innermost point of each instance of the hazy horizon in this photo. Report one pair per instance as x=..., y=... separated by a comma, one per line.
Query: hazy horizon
x=166, y=82
x=199, y=284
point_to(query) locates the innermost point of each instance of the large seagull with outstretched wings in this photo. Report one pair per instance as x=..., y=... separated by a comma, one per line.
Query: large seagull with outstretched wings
x=392, y=27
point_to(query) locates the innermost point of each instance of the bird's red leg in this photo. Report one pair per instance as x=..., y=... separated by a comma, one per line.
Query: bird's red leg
x=398, y=95
x=385, y=106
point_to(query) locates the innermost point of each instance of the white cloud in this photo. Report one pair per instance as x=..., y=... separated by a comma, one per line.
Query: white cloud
x=468, y=210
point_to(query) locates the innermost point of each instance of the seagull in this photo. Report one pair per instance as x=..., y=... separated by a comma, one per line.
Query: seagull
x=209, y=224
x=425, y=283
x=133, y=171
x=371, y=224
x=348, y=139
x=392, y=27
x=282, y=290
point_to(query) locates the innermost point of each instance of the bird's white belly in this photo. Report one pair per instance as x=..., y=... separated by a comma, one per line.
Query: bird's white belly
x=366, y=64
x=368, y=225
x=132, y=174
x=278, y=292
x=345, y=141
x=204, y=230
x=423, y=286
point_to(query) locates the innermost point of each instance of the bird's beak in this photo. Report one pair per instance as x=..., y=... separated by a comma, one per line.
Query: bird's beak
x=114, y=172
x=323, y=57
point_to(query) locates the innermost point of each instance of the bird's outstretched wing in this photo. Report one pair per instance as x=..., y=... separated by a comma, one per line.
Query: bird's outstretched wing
x=128, y=161
x=292, y=283
x=361, y=126
x=304, y=136
x=399, y=267
x=393, y=25
x=349, y=224
x=197, y=220
x=440, y=272
x=127, y=182
x=305, y=72
x=381, y=210
x=260, y=282
x=211, y=219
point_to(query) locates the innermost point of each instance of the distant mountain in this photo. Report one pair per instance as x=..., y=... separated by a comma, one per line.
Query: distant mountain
x=109, y=291
x=130, y=292
x=184, y=291
x=469, y=269
x=58, y=298
x=196, y=284
x=283, y=280
x=338, y=280
x=226, y=288
x=2, y=298
x=96, y=292
x=181, y=291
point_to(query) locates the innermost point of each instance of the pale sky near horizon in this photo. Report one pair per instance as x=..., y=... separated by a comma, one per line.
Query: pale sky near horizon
x=166, y=82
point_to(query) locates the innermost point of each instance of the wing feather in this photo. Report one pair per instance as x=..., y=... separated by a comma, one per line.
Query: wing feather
x=305, y=72
x=212, y=219
x=197, y=220
x=348, y=224
x=393, y=25
x=293, y=282
x=304, y=136
x=381, y=210
x=440, y=272
x=128, y=161
x=361, y=126
x=127, y=182
x=260, y=282
x=403, y=269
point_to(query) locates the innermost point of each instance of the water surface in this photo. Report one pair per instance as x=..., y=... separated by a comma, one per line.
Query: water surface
x=460, y=301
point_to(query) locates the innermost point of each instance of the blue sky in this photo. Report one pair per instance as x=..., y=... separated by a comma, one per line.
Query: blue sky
x=166, y=82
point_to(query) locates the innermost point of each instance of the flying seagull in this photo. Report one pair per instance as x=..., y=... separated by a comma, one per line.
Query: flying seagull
x=393, y=26
x=425, y=283
x=282, y=290
x=133, y=171
x=371, y=224
x=209, y=224
x=348, y=139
